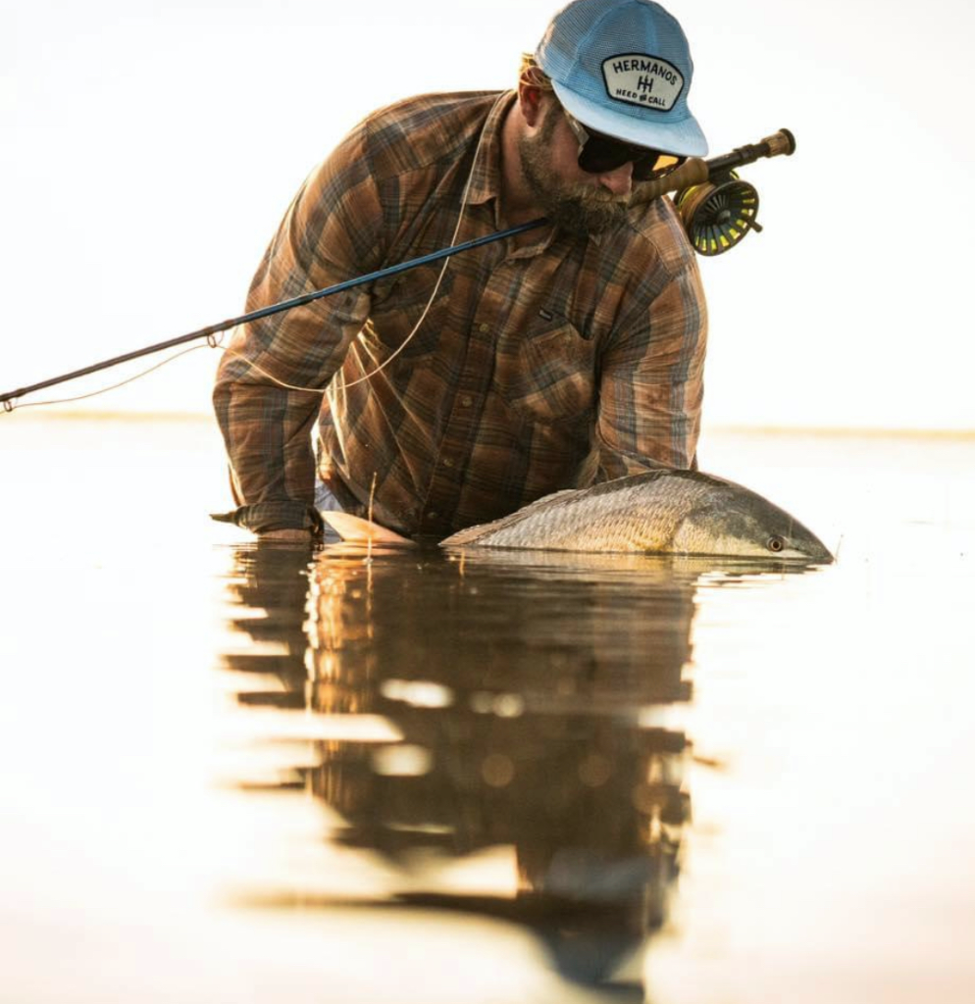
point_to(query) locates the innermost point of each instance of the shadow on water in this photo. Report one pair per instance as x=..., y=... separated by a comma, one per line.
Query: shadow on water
x=535, y=704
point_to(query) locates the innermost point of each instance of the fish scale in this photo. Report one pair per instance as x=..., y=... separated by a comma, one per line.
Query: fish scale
x=642, y=514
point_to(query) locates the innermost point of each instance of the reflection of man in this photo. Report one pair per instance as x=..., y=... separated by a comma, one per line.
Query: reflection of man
x=525, y=736
x=570, y=354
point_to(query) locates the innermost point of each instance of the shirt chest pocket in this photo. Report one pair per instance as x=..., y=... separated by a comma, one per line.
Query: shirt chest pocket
x=550, y=376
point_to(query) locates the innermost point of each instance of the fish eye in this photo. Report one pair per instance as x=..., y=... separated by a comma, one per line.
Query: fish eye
x=775, y=544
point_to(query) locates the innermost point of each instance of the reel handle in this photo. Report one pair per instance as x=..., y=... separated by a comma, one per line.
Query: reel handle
x=696, y=171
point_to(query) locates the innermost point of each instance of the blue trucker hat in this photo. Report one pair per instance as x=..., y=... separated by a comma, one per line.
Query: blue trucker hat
x=623, y=68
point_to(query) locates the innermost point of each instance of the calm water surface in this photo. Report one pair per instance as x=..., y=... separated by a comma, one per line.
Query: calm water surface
x=235, y=772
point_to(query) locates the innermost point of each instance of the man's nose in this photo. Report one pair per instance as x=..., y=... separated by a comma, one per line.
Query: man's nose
x=618, y=181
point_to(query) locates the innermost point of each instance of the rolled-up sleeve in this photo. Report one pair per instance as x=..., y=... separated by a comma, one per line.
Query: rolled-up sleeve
x=651, y=383
x=329, y=234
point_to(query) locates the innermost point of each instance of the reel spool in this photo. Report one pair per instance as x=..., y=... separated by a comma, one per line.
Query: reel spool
x=718, y=214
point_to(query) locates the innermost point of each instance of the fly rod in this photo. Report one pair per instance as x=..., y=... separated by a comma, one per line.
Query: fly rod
x=717, y=209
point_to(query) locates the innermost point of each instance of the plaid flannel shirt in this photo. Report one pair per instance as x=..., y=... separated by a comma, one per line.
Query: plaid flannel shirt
x=541, y=365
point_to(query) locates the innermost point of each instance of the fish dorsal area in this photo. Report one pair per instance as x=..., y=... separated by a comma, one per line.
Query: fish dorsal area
x=640, y=512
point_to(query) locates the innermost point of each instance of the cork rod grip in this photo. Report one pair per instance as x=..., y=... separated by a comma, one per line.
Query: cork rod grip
x=693, y=172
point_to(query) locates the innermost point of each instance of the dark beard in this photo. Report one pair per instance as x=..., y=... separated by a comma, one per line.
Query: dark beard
x=580, y=212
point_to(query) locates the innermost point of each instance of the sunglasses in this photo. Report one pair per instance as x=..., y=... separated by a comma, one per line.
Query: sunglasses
x=599, y=154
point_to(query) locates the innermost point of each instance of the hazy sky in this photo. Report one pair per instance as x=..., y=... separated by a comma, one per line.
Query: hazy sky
x=147, y=154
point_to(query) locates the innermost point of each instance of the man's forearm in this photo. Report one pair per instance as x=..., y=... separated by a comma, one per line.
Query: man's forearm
x=267, y=433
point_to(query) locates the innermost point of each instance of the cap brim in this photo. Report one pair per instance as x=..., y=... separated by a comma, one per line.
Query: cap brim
x=684, y=138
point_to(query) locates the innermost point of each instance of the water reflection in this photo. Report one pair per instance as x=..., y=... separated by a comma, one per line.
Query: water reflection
x=532, y=709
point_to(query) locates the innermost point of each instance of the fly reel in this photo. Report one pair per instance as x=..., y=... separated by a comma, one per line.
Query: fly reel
x=719, y=213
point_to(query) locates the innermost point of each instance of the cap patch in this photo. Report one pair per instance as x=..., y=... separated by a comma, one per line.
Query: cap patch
x=642, y=80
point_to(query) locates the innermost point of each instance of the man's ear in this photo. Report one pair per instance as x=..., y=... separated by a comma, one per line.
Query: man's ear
x=530, y=102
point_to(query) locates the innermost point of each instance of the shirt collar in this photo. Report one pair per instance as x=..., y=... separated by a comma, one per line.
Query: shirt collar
x=486, y=182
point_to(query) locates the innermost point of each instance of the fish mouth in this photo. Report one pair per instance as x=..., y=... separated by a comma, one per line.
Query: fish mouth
x=819, y=558
x=811, y=550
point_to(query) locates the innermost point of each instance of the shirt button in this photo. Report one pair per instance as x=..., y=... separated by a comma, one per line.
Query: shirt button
x=483, y=328
x=448, y=462
x=466, y=401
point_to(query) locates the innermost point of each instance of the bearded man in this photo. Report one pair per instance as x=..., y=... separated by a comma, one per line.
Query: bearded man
x=455, y=393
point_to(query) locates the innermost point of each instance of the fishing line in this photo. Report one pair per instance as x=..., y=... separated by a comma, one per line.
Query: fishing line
x=121, y=383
